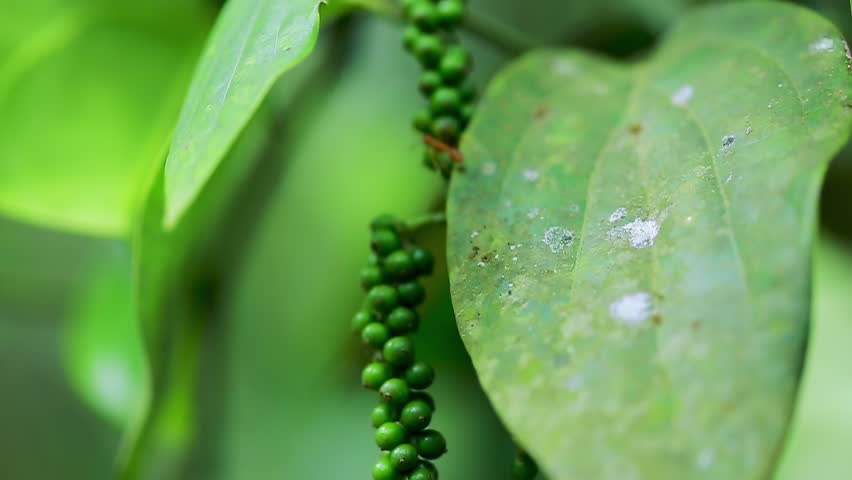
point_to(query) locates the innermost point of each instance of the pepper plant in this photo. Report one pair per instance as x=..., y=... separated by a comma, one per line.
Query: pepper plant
x=626, y=222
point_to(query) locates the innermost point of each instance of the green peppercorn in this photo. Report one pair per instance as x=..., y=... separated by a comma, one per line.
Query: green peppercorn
x=373, y=259
x=375, y=334
x=430, y=157
x=411, y=293
x=431, y=467
x=389, y=435
x=422, y=473
x=382, y=414
x=430, y=444
x=445, y=100
x=385, y=222
x=385, y=241
x=403, y=458
x=423, y=121
x=399, y=265
x=399, y=351
x=424, y=397
x=419, y=375
x=523, y=467
x=375, y=374
x=415, y=415
x=466, y=113
x=444, y=163
x=430, y=80
x=424, y=14
x=383, y=470
x=423, y=260
x=394, y=392
x=371, y=276
x=454, y=65
x=383, y=298
x=467, y=90
x=446, y=128
x=428, y=49
x=410, y=36
x=402, y=320
x=449, y=13
x=361, y=319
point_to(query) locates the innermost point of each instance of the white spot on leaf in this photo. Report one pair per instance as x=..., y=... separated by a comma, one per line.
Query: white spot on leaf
x=534, y=213
x=822, y=45
x=633, y=309
x=488, y=168
x=682, y=95
x=558, y=238
x=640, y=233
x=617, y=215
x=728, y=142
x=530, y=175
x=705, y=459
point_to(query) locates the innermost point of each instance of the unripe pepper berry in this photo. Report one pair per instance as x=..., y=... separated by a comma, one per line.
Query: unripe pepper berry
x=383, y=470
x=390, y=435
x=371, y=276
x=382, y=414
x=375, y=334
x=402, y=320
x=445, y=100
x=423, y=121
x=399, y=351
x=524, y=467
x=375, y=374
x=410, y=36
x=419, y=375
x=361, y=319
x=385, y=241
x=421, y=473
x=424, y=397
x=449, y=13
x=383, y=298
x=428, y=48
x=403, y=458
x=394, y=392
x=385, y=222
x=423, y=260
x=454, y=65
x=430, y=80
x=430, y=444
x=415, y=416
x=399, y=265
x=411, y=293
x=446, y=128
x=424, y=14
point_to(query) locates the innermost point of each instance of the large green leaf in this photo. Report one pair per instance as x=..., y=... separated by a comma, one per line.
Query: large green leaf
x=252, y=44
x=629, y=245
x=89, y=91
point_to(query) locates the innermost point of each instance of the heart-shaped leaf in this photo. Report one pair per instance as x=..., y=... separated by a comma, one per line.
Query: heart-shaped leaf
x=630, y=244
x=252, y=44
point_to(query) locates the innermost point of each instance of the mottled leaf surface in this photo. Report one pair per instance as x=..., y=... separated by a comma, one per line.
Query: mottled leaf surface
x=252, y=44
x=629, y=245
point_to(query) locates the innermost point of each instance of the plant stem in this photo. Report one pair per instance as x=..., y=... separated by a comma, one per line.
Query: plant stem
x=425, y=220
x=482, y=26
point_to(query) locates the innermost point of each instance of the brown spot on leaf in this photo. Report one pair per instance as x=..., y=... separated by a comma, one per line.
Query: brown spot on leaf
x=635, y=129
x=541, y=111
x=474, y=252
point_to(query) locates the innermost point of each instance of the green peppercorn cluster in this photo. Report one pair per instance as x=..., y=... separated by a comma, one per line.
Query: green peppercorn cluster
x=386, y=323
x=429, y=36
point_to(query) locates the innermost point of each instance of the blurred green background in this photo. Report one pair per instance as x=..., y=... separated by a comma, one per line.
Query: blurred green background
x=268, y=388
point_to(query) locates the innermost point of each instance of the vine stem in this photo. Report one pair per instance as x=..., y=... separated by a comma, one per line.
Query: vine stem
x=482, y=26
x=425, y=220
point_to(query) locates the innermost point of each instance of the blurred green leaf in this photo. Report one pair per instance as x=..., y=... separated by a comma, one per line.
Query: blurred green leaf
x=89, y=91
x=822, y=427
x=253, y=43
x=103, y=350
x=620, y=231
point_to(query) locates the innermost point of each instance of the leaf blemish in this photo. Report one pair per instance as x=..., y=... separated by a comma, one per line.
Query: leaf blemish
x=618, y=214
x=728, y=142
x=682, y=95
x=635, y=129
x=530, y=175
x=488, y=168
x=558, y=238
x=640, y=233
x=632, y=309
x=535, y=212
x=822, y=45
